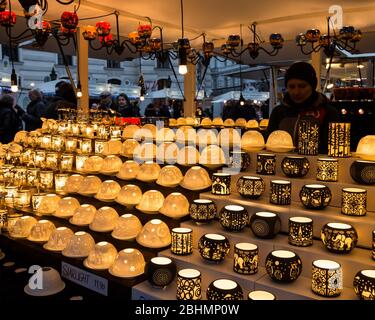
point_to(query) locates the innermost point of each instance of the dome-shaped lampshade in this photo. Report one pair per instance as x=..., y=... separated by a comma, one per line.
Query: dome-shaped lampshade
x=240, y=122
x=129, y=196
x=22, y=227
x=155, y=234
x=67, y=207
x=190, y=121
x=128, y=147
x=196, y=178
x=52, y=283
x=151, y=202
x=101, y=257
x=149, y=131
x=112, y=147
x=165, y=134
x=167, y=152
x=93, y=164
x=127, y=227
x=148, y=172
x=212, y=157
x=108, y=191
x=229, y=137
x=188, y=156
x=181, y=121
x=252, y=141
x=252, y=124
x=41, y=231
x=83, y=215
x=206, y=122
x=169, y=176
x=172, y=122
x=59, y=239
x=206, y=137
x=228, y=123
x=48, y=204
x=129, y=263
x=90, y=186
x=111, y=165
x=264, y=123
x=186, y=133
x=128, y=170
x=280, y=141
x=218, y=122
x=79, y=246
x=145, y=152
x=73, y=183
x=104, y=220
x=129, y=131
x=366, y=148
x=175, y=206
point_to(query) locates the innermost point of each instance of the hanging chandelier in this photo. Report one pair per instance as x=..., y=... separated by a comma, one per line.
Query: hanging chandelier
x=314, y=41
x=254, y=47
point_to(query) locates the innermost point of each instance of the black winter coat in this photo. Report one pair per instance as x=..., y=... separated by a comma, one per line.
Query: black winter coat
x=32, y=117
x=9, y=124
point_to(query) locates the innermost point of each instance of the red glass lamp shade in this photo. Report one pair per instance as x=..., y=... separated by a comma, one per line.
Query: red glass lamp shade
x=7, y=18
x=144, y=30
x=103, y=28
x=107, y=40
x=69, y=20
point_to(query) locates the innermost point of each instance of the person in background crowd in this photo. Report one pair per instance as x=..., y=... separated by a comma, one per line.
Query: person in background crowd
x=177, y=109
x=302, y=100
x=125, y=108
x=106, y=103
x=34, y=111
x=65, y=98
x=164, y=110
x=9, y=119
x=151, y=111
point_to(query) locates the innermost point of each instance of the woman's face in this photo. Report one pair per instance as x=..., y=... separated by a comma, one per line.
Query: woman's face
x=299, y=90
x=122, y=101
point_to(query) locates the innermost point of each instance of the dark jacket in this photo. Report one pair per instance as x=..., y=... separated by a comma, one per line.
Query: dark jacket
x=51, y=108
x=287, y=115
x=9, y=123
x=32, y=117
x=129, y=111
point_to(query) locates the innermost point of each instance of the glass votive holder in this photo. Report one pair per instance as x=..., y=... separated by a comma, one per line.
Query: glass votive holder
x=221, y=183
x=261, y=295
x=245, y=258
x=60, y=182
x=75, y=129
x=99, y=146
x=52, y=160
x=233, y=217
x=213, y=247
x=46, y=180
x=265, y=225
x=88, y=131
x=202, y=211
x=40, y=158
x=10, y=195
x=58, y=143
x=115, y=132
x=239, y=160
x=189, y=284
x=80, y=161
x=32, y=176
x=23, y=198
x=315, y=196
x=27, y=156
x=45, y=141
x=3, y=218
x=71, y=144
x=36, y=200
x=20, y=176
x=7, y=172
x=160, y=271
x=364, y=284
x=326, y=280
x=300, y=231
x=86, y=146
x=283, y=265
x=102, y=132
x=266, y=163
x=354, y=202
x=66, y=162
x=182, y=241
x=250, y=187
x=280, y=192
x=339, y=237
x=327, y=169
x=224, y=289
x=295, y=167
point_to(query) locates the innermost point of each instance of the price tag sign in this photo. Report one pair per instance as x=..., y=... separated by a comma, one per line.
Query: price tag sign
x=84, y=278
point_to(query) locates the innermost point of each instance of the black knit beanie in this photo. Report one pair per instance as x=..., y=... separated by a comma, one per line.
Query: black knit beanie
x=302, y=71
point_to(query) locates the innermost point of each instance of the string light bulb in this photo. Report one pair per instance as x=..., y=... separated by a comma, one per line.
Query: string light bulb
x=13, y=81
x=79, y=90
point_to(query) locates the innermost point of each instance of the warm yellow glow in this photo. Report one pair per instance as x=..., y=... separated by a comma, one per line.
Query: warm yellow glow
x=246, y=246
x=283, y=254
x=225, y=284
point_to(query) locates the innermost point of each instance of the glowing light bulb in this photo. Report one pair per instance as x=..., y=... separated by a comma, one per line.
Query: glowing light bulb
x=182, y=69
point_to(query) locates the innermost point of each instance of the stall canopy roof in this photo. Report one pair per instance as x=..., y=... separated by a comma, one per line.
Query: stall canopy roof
x=219, y=18
x=170, y=93
x=248, y=95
